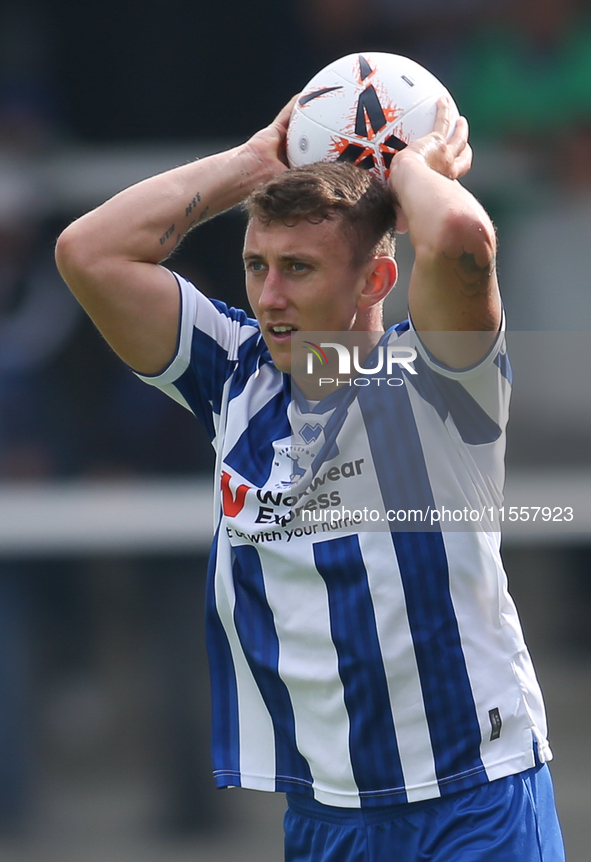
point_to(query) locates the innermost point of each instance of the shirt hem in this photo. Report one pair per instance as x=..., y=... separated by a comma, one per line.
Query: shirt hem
x=389, y=796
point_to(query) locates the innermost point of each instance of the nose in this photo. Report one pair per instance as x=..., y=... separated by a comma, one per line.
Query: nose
x=272, y=295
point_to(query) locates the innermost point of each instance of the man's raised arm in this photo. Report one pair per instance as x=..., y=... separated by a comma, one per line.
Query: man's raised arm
x=453, y=286
x=110, y=257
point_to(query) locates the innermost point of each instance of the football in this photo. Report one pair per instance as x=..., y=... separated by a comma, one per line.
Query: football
x=364, y=108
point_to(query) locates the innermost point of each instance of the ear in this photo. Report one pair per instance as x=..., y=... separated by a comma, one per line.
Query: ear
x=380, y=278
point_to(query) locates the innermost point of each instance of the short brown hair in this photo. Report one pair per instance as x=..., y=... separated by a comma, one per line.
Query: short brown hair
x=325, y=190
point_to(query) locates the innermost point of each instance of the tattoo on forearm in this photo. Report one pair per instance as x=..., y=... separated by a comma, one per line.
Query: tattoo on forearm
x=475, y=278
x=204, y=214
x=188, y=210
x=167, y=234
x=191, y=209
x=193, y=204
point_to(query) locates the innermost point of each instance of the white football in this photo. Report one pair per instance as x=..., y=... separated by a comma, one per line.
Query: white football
x=364, y=108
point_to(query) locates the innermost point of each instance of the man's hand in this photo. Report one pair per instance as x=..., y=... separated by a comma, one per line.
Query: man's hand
x=453, y=157
x=268, y=145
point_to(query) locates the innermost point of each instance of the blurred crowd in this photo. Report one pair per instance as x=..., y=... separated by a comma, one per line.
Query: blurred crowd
x=520, y=71
x=131, y=73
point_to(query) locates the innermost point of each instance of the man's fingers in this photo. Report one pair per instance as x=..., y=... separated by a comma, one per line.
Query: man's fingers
x=459, y=138
x=282, y=118
x=442, y=119
x=463, y=161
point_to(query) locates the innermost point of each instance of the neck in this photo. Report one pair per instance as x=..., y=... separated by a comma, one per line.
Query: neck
x=369, y=320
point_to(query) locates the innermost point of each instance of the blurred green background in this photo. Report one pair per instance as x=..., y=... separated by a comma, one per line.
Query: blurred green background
x=104, y=710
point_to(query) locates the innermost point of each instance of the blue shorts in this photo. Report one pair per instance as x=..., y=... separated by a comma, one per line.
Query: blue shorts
x=511, y=819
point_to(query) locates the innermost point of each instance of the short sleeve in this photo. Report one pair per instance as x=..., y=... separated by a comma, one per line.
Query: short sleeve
x=477, y=397
x=211, y=339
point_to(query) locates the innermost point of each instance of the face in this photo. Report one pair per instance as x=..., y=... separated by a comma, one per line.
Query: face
x=300, y=277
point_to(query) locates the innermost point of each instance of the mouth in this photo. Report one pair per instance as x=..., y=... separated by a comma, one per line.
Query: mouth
x=281, y=332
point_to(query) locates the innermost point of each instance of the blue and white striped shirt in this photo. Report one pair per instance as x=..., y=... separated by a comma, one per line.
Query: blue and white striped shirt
x=358, y=666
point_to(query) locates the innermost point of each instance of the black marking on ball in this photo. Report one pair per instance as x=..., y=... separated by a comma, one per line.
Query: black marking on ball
x=369, y=104
x=364, y=68
x=368, y=163
x=394, y=143
x=309, y=96
x=408, y=81
x=351, y=153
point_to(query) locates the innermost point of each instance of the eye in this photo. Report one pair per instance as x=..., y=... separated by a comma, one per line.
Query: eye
x=255, y=266
x=298, y=266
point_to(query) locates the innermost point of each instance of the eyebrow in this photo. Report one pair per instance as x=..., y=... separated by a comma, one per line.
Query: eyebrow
x=284, y=258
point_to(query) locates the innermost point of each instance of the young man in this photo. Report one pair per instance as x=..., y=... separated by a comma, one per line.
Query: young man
x=380, y=678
